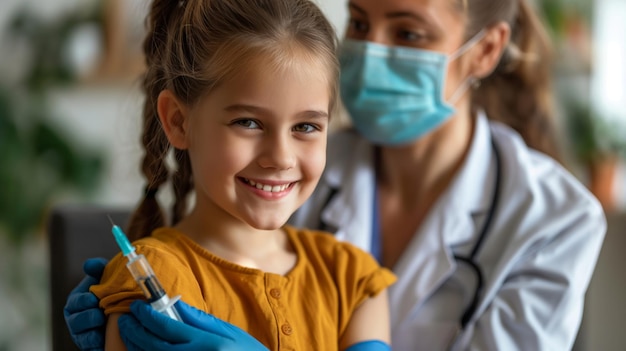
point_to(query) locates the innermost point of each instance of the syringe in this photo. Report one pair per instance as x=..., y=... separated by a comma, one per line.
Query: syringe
x=144, y=276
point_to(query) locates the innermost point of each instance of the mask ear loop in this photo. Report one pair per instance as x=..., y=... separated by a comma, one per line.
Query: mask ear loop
x=470, y=81
x=462, y=89
x=468, y=45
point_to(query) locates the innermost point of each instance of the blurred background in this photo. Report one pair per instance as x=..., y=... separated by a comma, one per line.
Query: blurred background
x=70, y=110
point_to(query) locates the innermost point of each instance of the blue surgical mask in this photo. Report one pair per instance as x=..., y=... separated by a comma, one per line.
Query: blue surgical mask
x=394, y=95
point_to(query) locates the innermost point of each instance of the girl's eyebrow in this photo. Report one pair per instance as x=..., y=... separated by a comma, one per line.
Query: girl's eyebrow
x=263, y=111
x=247, y=108
x=313, y=114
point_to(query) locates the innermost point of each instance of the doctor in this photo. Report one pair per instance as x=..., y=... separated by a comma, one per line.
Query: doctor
x=449, y=178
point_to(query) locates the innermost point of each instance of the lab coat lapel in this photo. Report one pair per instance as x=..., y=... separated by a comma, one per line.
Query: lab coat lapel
x=349, y=170
x=426, y=263
x=451, y=224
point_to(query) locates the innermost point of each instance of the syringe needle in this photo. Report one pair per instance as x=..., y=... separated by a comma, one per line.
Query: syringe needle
x=111, y=220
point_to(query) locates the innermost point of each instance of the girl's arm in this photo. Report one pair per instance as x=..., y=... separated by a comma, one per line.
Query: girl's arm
x=113, y=340
x=370, y=321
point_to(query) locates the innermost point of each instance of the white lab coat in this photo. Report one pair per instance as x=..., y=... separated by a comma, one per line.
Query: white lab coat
x=537, y=259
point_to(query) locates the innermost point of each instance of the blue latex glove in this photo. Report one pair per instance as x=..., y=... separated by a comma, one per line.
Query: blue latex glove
x=370, y=345
x=85, y=320
x=145, y=329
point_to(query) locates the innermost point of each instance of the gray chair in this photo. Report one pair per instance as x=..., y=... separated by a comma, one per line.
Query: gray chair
x=76, y=233
x=602, y=327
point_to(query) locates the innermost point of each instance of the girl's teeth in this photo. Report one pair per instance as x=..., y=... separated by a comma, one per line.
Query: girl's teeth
x=269, y=188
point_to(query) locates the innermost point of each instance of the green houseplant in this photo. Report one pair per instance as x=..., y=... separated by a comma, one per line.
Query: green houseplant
x=597, y=143
x=40, y=160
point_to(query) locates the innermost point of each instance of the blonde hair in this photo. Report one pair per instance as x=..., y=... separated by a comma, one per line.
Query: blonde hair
x=519, y=91
x=194, y=45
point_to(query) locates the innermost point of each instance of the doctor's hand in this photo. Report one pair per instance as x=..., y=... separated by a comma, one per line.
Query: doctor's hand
x=145, y=329
x=84, y=319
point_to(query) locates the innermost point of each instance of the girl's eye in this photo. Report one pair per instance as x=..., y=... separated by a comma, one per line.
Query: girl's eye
x=247, y=123
x=305, y=128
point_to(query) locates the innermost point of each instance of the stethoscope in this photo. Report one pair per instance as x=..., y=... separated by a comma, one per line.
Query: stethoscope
x=469, y=260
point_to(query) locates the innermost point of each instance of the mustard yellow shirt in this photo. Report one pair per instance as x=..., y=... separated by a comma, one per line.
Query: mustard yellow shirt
x=307, y=309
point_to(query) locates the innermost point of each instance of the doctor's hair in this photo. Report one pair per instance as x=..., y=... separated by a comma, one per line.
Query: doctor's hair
x=519, y=91
x=191, y=47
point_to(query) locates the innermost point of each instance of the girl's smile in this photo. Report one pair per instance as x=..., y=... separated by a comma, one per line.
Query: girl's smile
x=268, y=189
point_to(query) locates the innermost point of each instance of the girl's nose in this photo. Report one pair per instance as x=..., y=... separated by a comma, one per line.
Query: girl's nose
x=278, y=152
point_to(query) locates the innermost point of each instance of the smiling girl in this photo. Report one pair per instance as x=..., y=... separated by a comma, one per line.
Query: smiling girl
x=242, y=92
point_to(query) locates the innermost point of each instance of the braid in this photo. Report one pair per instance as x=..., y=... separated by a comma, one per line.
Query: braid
x=149, y=215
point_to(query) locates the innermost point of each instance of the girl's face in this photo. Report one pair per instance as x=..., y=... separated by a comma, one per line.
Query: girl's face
x=434, y=25
x=257, y=143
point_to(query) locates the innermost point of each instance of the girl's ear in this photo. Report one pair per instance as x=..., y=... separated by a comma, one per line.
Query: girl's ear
x=489, y=50
x=174, y=119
